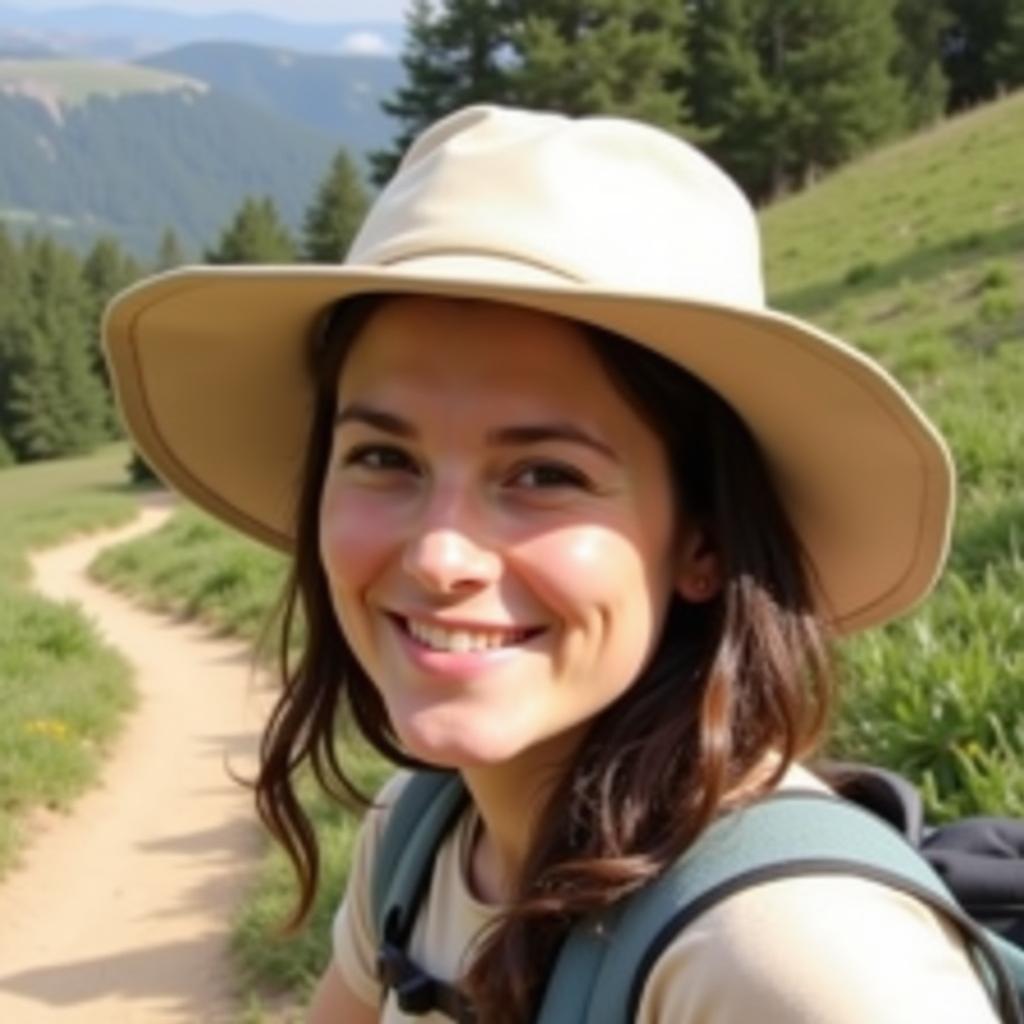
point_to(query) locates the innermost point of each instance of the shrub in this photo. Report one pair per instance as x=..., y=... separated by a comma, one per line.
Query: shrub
x=996, y=276
x=140, y=471
x=860, y=272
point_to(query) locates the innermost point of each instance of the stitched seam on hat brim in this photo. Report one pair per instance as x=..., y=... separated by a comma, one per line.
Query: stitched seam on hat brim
x=784, y=327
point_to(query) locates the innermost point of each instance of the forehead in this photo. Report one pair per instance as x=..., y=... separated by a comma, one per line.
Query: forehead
x=417, y=347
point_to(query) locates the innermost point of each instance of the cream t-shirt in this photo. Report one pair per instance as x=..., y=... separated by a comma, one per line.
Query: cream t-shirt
x=817, y=950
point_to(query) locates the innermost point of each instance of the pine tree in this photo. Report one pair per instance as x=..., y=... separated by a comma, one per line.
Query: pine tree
x=452, y=57
x=15, y=328
x=58, y=405
x=923, y=25
x=602, y=57
x=106, y=270
x=840, y=93
x=1007, y=58
x=788, y=90
x=255, y=235
x=980, y=51
x=599, y=56
x=169, y=253
x=735, y=96
x=35, y=404
x=333, y=219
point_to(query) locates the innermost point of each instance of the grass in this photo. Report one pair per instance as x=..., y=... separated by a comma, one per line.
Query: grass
x=270, y=961
x=915, y=255
x=193, y=567
x=62, y=691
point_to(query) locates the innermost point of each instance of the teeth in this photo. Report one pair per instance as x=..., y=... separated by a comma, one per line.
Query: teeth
x=459, y=641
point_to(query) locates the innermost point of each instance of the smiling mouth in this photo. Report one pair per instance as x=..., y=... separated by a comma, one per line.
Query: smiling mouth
x=462, y=640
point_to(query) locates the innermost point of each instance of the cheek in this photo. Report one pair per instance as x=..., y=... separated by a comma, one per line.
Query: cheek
x=354, y=543
x=596, y=575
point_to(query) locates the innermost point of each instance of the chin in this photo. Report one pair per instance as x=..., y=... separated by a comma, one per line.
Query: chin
x=449, y=743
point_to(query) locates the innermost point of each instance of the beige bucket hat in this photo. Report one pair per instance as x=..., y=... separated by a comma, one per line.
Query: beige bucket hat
x=601, y=219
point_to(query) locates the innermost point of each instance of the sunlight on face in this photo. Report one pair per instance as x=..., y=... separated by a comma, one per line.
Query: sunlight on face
x=496, y=527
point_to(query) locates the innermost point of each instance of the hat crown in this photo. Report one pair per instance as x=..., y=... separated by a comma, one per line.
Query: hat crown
x=599, y=201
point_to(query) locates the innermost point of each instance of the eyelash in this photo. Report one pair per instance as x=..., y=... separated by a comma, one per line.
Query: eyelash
x=568, y=476
x=358, y=455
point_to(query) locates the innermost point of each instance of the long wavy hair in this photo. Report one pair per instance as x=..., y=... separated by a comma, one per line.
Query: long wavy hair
x=735, y=683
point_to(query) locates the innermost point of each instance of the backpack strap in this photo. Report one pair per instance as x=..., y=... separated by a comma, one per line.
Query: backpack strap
x=424, y=813
x=600, y=973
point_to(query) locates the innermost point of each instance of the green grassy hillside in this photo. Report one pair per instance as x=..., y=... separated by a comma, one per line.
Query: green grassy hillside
x=62, y=691
x=916, y=255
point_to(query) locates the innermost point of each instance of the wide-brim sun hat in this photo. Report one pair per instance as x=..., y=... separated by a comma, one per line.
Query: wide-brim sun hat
x=605, y=220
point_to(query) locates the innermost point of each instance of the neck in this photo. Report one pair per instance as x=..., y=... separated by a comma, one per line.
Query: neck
x=510, y=798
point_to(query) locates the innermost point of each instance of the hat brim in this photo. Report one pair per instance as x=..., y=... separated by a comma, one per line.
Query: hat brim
x=209, y=370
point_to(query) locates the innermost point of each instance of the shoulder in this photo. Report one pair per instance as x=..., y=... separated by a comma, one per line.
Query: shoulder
x=354, y=936
x=839, y=949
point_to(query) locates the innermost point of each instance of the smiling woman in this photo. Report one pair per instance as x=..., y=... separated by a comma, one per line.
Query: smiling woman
x=576, y=519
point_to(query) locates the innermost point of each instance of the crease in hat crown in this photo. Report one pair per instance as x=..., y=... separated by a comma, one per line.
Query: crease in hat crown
x=587, y=200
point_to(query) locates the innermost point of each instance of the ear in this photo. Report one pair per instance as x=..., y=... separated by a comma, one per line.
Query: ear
x=699, y=575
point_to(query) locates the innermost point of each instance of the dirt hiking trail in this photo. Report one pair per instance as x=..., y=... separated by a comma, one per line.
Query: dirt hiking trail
x=121, y=911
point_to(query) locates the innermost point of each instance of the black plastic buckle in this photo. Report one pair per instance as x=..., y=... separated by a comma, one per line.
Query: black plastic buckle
x=415, y=990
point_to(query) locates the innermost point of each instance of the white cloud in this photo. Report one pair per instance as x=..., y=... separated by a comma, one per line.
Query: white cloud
x=365, y=44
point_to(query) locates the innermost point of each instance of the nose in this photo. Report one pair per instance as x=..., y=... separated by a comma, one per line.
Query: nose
x=446, y=560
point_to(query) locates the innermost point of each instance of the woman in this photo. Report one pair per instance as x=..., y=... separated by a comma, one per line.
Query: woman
x=575, y=516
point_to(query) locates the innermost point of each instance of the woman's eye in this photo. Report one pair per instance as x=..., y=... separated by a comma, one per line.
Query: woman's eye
x=548, y=475
x=379, y=457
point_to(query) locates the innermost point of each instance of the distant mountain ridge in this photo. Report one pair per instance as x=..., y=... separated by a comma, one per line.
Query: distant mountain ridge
x=130, y=151
x=102, y=147
x=128, y=33
x=339, y=96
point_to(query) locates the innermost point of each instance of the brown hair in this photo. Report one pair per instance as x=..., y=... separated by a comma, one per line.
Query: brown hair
x=733, y=681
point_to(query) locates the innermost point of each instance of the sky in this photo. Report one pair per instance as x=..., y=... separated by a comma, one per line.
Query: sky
x=292, y=10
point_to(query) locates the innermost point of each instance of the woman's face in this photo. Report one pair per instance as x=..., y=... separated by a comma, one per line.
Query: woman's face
x=497, y=527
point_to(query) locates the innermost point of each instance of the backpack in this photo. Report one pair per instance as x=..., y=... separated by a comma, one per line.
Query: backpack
x=874, y=830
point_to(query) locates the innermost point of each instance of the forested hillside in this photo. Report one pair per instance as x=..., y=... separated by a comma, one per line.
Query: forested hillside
x=54, y=394
x=81, y=158
x=338, y=95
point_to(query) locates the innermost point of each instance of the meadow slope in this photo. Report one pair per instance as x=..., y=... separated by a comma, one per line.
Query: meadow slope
x=63, y=691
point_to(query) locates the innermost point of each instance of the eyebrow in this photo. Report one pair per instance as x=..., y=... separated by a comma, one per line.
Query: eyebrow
x=532, y=433
x=386, y=421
